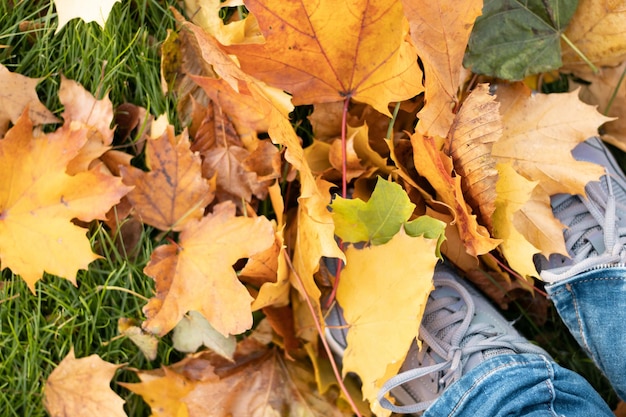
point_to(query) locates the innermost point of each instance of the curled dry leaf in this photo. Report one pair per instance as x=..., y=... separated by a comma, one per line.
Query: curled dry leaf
x=80, y=388
x=476, y=127
x=436, y=167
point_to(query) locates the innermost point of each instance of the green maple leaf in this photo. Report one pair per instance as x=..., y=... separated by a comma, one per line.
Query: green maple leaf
x=376, y=221
x=516, y=38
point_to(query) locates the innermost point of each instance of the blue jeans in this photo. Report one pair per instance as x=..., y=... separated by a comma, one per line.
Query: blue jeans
x=593, y=306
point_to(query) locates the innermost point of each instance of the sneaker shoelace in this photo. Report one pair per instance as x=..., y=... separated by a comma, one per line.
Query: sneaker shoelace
x=594, y=236
x=449, y=338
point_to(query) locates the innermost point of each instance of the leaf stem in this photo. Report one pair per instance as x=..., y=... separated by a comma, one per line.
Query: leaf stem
x=344, y=151
x=393, y=120
x=580, y=54
x=318, y=326
x=615, y=91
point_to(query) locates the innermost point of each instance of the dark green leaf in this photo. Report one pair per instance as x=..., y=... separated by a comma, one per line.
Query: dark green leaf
x=513, y=39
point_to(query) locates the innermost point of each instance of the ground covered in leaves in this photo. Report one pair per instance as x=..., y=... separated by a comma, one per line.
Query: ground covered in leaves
x=173, y=175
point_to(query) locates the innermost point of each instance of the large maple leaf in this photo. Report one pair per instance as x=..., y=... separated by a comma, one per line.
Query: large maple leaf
x=197, y=273
x=38, y=201
x=328, y=50
x=80, y=388
x=539, y=132
x=399, y=274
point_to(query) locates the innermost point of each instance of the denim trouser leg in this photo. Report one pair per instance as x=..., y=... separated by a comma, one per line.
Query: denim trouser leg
x=527, y=385
x=593, y=306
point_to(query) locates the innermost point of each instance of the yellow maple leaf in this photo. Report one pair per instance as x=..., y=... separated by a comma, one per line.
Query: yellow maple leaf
x=399, y=274
x=197, y=273
x=80, y=388
x=17, y=92
x=93, y=11
x=597, y=30
x=328, y=50
x=539, y=132
x=513, y=192
x=440, y=31
x=38, y=201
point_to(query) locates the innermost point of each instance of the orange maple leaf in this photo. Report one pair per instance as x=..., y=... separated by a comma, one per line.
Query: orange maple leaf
x=329, y=50
x=197, y=274
x=173, y=193
x=80, y=388
x=17, y=92
x=38, y=200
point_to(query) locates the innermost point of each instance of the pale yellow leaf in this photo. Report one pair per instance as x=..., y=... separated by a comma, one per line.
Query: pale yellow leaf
x=90, y=11
x=397, y=274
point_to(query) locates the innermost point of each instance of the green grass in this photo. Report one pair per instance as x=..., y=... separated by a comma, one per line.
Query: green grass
x=37, y=331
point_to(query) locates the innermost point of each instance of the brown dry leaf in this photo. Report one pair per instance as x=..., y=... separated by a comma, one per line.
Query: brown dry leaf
x=39, y=200
x=597, y=29
x=599, y=91
x=329, y=51
x=399, y=274
x=440, y=30
x=436, y=167
x=242, y=109
x=476, y=127
x=197, y=274
x=80, y=388
x=173, y=193
x=259, y=382
x=539, y=132
x=17, y=92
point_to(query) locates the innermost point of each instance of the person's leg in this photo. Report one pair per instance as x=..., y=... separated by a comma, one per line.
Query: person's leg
x=520, y=385
x=588, y=288
x=593, y=306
